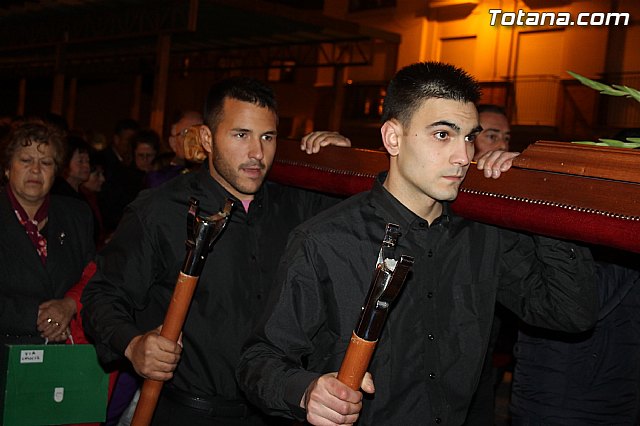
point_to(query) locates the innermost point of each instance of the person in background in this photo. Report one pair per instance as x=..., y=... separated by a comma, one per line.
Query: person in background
x=46, y=241
x=145, y=145
x=75, y=170
x=119, y=152
x=117, y=157
x=428, y=360
x=125, y=302
x=496, y=131
x=590, y=378
x=177, y=163
x=90, y=190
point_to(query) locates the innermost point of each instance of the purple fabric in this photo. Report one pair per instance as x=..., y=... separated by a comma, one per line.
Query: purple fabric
x=123, y=393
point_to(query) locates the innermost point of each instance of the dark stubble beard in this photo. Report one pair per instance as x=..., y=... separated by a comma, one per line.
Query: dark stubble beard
x=231, y=175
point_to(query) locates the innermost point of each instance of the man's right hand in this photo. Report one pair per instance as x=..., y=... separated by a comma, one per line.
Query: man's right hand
x=329, y=402
x=153, y=356
x=314, y=141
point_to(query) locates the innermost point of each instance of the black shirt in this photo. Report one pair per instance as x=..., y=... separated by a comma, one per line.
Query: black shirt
x=428, y=360
x=137, y=272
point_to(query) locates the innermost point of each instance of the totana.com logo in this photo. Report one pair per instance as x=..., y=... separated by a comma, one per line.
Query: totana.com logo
x=562, y=19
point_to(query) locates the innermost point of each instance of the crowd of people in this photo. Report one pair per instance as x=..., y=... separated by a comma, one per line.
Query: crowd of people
x=94, y=241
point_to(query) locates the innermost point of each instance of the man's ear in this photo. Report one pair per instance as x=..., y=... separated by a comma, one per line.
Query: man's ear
x=206, y=139
x=391, y=132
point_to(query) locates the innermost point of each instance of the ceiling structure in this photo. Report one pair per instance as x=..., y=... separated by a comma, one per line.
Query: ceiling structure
x=93, y=37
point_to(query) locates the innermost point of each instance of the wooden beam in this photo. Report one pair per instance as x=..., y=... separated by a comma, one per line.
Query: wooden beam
x=160, y=84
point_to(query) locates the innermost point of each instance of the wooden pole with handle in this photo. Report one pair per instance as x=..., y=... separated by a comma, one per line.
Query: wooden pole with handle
x=387, y=282
x=202, y=234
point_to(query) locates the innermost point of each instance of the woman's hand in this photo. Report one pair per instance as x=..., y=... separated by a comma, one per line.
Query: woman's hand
x=54, y=317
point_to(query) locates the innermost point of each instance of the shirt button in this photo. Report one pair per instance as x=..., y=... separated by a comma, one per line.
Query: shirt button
x=432, y=375
x=430, y=336
x=438, y=420
x=423, y=224
x=572, y=255
x=429, y=295
x=253, y=257
x=430, y=254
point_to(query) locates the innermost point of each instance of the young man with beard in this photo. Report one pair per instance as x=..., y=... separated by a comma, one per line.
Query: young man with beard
x=428, y=360
x=125, y=302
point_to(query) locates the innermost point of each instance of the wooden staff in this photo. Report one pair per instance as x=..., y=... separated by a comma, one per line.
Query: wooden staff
x=387, y=282
x=202, y=233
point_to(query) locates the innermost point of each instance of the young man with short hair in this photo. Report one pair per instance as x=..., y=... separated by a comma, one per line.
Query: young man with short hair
x=427, y=363
x=125, y=302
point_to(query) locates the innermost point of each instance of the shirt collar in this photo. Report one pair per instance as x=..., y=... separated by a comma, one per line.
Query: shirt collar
x=213, y=186
x=389, y=203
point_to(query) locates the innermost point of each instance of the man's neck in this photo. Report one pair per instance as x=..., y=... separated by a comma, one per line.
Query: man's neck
x=423, y=206
x=230, y=189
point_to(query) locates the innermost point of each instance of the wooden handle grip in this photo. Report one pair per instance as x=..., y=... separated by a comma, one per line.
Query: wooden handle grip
x=171, y=329
x=147, y=403
x=356, y=361
x=179, y=306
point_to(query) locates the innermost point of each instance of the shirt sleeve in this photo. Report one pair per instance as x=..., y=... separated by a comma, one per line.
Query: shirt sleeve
x=270, y=371
x=119, y=288
x=548, y=283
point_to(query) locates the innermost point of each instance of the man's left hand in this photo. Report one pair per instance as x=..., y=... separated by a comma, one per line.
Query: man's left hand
x=494, y=163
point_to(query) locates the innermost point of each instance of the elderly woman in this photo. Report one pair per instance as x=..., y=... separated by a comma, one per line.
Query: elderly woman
x=46, y=240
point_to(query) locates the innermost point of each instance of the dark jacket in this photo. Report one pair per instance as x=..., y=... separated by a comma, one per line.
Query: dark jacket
x=428, y=360
x=587, y=378
x=24, y=281
x=137, y=273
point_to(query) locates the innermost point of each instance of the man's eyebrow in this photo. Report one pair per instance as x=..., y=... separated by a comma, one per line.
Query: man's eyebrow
x=454, y=126
x=476, y=129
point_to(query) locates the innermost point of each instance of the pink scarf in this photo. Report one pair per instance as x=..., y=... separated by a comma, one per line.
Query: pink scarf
x=31, y=226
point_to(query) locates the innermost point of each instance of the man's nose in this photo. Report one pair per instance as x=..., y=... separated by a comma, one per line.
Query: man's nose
x=461, y=155
x=256, y=151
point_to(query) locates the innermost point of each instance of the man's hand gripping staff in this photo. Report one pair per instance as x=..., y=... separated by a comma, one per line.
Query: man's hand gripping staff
x=388, y=279
x=202, y=232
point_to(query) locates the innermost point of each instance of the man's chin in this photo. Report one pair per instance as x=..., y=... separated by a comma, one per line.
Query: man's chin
x=250, y=188
x=449, y=195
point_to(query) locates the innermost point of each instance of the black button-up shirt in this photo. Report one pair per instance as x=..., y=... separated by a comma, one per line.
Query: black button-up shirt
x=137, y=273
x=428, y=360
